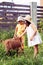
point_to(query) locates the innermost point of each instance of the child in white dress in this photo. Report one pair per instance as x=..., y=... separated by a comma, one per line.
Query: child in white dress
x=32, y=34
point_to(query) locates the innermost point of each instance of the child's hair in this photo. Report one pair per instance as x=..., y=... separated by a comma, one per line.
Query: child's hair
x=27, y=22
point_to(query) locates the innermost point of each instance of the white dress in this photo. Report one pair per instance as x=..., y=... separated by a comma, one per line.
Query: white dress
x=37, y=38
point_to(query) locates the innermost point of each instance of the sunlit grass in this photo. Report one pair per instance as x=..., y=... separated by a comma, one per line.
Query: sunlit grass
x=23, y=59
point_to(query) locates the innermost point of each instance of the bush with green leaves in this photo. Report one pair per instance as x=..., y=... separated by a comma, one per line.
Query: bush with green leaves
x=6, y=34
x=40, y=26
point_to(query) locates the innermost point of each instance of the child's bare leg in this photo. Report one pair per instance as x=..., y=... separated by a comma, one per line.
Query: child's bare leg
x=35, y=50
x=22, y=46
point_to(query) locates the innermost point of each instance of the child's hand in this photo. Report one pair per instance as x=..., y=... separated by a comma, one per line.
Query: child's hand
x=31, y=38
x=15, y=36
x=19, y=36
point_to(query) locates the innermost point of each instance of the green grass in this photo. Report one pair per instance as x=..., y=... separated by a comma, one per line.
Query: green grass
x=23, y=59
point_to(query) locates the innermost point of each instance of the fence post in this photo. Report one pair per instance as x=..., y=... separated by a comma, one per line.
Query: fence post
x=33, y=8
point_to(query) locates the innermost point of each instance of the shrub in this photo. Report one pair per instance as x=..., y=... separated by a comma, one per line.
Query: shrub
x=6, y=34
x=40, y=26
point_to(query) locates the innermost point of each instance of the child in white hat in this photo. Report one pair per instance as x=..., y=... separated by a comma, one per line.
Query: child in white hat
x=32, y=34
x=20, y=27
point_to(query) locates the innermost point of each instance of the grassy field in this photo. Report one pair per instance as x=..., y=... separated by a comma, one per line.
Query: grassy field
x=23, y=59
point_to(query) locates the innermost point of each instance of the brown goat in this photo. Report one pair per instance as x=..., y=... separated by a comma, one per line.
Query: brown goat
x=12, y=44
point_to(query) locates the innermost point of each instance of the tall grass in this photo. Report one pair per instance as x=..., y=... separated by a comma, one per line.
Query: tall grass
x=23, y=59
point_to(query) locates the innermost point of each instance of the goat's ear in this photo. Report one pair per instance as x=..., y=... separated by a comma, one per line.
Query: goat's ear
x=1, y=40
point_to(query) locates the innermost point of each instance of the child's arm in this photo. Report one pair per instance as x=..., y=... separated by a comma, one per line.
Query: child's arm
x=23, y=33
x=35, y=30
x=16, y=29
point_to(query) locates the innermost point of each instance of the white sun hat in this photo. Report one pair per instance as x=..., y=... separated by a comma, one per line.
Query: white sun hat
x=20, y=18
x=28, y=18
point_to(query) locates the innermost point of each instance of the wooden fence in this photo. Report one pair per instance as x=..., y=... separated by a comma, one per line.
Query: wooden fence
x=39, y=13
x=10, y=11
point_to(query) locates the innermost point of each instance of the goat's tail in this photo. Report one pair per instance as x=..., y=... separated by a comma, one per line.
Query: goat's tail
x=2, y=41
